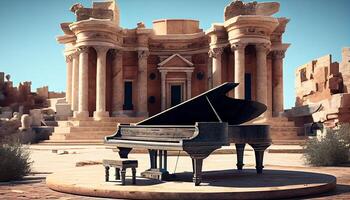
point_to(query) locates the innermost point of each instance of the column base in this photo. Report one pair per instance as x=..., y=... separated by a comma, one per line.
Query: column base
x=98, y=115
x=81, y=114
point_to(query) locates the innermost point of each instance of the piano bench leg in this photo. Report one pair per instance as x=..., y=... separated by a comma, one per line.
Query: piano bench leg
x=133, y=176
x=106, y=173
x=117, y=174
x=123, y=172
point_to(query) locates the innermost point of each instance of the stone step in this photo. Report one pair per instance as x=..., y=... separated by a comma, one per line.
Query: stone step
x=72, y=142
x=125, y=120
x=297, y=141
x=95, y=124
x=83, y=129
x=281, y=124
x=282, y=129
x=87, y=133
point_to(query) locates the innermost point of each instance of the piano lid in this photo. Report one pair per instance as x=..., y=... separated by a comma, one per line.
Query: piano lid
x=210, y=106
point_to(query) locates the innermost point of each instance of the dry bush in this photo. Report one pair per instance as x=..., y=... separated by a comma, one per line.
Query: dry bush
x=330, y=150
x=14, y=161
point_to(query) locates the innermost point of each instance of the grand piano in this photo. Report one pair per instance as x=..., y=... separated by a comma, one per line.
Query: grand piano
x=197, y=126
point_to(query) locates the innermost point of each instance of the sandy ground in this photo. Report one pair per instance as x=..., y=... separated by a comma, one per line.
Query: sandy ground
x=46, y=162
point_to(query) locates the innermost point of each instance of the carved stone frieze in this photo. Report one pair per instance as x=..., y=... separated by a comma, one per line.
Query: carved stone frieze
x=255, y=31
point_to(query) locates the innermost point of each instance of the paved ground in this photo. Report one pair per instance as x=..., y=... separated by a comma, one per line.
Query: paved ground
x=47, y=162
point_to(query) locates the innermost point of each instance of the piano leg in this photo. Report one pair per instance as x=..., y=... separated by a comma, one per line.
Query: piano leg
x=165, y=160
x=160, y=159
x=240, y=154
x=198, y=155
x=124, y=152
x=197, y=172
x=259, y=150
x=153, y=158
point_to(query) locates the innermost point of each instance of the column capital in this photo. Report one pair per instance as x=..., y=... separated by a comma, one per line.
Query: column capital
x=189, y=75
x=216, y=52
x=238, y=46
x=83, y=49
x=101, y=49
x=163, y=72
x=69, y=58
x=264, y=47
x=279, y=54
x=143, y=54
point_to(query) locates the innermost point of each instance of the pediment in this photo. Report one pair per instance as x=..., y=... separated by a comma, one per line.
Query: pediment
x=176, y=60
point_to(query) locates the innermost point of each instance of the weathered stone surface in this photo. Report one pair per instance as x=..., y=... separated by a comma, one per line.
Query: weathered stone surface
x=323, y=82
x=36, y=116
x=26, y=122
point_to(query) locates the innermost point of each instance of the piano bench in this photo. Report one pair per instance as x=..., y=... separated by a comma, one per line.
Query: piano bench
x=120, y=169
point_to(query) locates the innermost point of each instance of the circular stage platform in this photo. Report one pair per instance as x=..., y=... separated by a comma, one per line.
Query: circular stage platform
x=227, y=184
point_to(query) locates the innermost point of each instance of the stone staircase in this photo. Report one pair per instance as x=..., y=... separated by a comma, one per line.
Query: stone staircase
x=89, y=129
x=282, y=129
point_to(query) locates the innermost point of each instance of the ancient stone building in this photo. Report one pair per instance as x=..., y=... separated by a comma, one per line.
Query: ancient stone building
x=322, y=91
x=124, y=75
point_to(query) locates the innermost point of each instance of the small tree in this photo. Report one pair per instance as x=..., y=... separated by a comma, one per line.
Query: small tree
x=14, y=161
x=329, y=150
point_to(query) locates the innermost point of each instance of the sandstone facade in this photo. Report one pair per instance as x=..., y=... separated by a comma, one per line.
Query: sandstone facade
x=112, y=71
x=119, y=73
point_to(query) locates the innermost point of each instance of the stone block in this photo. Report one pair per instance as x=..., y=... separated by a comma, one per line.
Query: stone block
x=37, y=117
x=320, y=74
x=63, y=111
x=307, y=88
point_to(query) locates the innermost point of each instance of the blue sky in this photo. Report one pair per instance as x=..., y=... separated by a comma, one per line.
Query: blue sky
x=29, y=51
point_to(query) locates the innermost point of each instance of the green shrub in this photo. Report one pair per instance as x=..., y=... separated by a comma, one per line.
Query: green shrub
x=329, y=150
x=14, y=161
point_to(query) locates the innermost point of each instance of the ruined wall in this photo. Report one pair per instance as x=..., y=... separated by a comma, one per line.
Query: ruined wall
x=317, y=80
x=345, y=68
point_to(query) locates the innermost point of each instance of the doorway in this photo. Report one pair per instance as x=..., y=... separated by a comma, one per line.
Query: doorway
x=176, y=95
x=128, y=96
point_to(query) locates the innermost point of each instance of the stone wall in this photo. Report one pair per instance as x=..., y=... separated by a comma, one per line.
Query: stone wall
x=345, y=68
x=317, y=80
x=323, y=87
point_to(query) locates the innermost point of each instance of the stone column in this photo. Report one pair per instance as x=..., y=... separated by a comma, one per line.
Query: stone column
x=118, y=83
x=69, y=62
x=75, y=82
x=189, y=84
x=163, y=92
x=239, y=72
x=83, y=110
x=101, y=83
x=277, y=85
x=216, y=54
x=261, y=77
x=142, y=105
